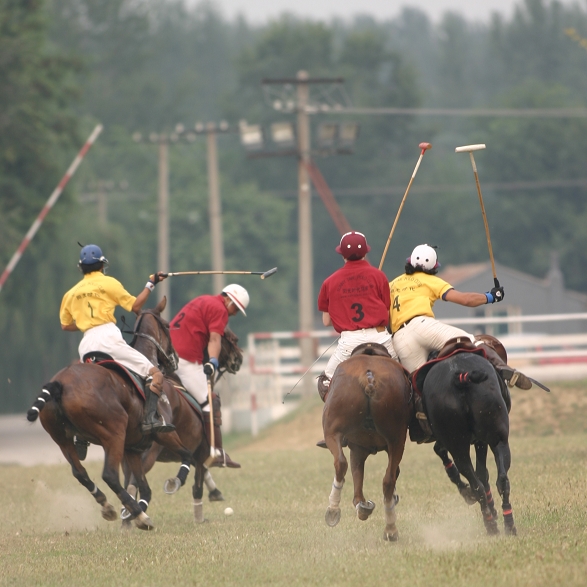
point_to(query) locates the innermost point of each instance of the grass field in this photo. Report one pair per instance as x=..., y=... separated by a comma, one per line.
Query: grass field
x=52, y=532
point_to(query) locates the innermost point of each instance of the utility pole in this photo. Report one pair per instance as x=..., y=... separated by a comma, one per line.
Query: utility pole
x=163, y=228
x=215, y=209
x=306, y=264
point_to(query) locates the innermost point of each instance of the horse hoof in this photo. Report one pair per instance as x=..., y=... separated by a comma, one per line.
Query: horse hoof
x=215, y=495
x=468, y=495
x=109, y=513
x=365, y=509
x=172, y=485
x=143, y=522
x=332, y=516
x=391, y=536
x=513, y=531
x=491, y=527
x=126, y=525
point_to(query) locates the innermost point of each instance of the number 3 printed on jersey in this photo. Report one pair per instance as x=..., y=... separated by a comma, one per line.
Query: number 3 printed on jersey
x=358, y=308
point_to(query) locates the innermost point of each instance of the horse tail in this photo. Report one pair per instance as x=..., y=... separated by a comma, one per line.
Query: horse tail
x=368, y=382
x=52, y=390
x=464, y=378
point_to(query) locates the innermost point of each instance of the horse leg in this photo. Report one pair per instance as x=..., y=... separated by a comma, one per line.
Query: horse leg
x=462, y=459
x=198, y=493
x=394, y=454
x=113, y=454
x=334, y=444
x=214, y=494
x=454, y=475
x=358, y=457
x=80, y=473
x=135, y=462
x=503, y=461
x=483, y=474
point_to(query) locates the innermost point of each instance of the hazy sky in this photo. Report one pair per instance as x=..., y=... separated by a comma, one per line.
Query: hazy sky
x=262, y=10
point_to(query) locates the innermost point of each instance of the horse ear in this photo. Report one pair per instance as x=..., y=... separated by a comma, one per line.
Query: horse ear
x=161, y=305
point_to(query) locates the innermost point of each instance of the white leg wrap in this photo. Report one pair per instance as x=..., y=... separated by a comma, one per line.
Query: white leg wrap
x=335, y=493
x=198, y=511
x=210, y=484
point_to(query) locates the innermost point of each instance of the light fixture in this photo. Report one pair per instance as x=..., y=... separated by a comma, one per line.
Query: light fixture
x=282, y=134
x=327, y=134
x=251, y=135
x=347, y=134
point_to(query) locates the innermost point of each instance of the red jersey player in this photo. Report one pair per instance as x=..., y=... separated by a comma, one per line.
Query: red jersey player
x=199, y=326
x=355, y=301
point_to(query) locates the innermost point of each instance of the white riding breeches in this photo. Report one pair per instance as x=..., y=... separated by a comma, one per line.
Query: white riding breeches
x=350, y=339
x=194, y=380
x=107, y=338
x=422, y=335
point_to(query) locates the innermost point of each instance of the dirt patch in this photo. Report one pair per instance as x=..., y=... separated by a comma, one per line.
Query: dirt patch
x=300, y=432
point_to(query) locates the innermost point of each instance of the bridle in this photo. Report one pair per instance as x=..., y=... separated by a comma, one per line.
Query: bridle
x=169, y=360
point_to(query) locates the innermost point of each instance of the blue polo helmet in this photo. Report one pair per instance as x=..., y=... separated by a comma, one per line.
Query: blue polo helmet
x=91, y=254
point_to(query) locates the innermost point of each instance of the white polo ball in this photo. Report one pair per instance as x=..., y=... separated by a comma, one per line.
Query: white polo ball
x=228, y=512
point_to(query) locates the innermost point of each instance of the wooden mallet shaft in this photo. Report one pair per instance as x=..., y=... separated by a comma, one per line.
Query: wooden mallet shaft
x=424, y=147
x=470, y=149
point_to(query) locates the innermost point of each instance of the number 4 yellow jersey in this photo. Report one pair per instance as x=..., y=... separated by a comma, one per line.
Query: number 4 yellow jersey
x=414, y=295
x=92, y=301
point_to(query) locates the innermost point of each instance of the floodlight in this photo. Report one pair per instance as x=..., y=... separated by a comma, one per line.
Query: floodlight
x=327, y=134
x=347, y=134
x=282, y=134
x=251, y=135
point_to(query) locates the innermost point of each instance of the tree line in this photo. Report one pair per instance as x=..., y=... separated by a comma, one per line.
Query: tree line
x=145, y=66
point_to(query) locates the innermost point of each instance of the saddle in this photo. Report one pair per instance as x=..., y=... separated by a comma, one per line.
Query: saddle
x=452, y=346
x=106, y=361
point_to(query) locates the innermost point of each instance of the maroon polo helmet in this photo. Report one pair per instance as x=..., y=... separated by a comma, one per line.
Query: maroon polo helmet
x=353, y=246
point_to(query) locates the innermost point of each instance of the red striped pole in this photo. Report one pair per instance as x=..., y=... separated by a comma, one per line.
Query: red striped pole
x=50, y=202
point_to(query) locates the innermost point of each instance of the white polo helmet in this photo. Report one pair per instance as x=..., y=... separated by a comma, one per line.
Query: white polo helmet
x=239, y=295
x=424, y=256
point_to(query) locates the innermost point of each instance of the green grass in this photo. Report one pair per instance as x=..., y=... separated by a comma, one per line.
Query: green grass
x=52, y=532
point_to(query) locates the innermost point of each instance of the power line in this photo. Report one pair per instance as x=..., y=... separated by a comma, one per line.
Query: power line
x=431, y=189
x=459, y=112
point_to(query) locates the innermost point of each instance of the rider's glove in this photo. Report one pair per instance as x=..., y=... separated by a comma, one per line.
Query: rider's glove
x=157, y=277
x=211, y=366
x=498, y=293
x=495, y=295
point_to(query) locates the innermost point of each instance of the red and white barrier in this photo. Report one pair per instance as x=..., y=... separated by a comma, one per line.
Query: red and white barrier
x=50, y=203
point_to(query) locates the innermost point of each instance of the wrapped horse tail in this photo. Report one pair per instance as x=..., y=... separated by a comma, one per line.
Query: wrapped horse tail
x=51, y=390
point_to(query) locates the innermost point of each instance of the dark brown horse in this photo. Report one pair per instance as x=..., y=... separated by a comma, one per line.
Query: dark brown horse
x=101, y=406
x=369, y=405
x=187, y=420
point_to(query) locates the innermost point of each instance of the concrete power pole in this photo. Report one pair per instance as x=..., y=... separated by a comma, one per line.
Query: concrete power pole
x=215, y=210
x=163, y=288
x=306, y=266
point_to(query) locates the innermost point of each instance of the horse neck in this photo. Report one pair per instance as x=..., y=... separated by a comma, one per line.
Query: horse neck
x=144, y=345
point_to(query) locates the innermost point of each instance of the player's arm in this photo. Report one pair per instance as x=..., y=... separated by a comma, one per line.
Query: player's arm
x=70, y=327
x=326, y=320
x=214, y=345
x=469, y=299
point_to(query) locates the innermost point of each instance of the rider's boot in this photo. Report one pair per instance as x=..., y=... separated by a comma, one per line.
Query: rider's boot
x=510, y=375
x=323, y=385
x=152, y=422
x=421, y=415
x=81, y=447
x=223, y=459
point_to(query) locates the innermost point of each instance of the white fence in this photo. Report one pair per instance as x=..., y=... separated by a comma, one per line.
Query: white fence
x=268, y=384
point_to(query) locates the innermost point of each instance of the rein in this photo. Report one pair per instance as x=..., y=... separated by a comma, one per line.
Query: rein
x=171, y=359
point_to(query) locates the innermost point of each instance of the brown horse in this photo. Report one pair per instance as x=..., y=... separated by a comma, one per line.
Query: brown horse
x=101, y=406
x=369, y=405
x=187, y=421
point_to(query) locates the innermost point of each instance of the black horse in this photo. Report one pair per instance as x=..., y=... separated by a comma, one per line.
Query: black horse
x=465, y=406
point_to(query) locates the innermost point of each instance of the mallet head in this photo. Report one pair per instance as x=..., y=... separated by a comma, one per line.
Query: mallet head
x=425, y=146
x=269, y=273
x=469, y=148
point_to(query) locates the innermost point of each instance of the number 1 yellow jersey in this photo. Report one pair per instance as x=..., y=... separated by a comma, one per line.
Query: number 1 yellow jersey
x=414, y=295
x=92, y=301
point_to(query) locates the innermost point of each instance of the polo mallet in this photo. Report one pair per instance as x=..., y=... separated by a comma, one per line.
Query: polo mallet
x=469, y=149
x=263, y=274
x=424, y=147
x=212, y=456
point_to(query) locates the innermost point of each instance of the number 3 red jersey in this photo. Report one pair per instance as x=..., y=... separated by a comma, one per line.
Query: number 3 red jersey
x=356, y=296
